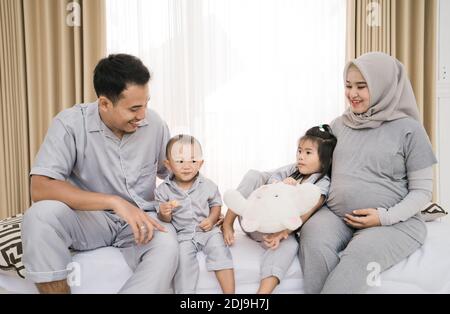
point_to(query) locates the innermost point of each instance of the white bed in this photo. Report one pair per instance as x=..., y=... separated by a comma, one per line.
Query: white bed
x=104, y=270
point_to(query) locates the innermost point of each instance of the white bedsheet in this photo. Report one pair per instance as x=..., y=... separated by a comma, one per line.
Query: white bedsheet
x=105, y=271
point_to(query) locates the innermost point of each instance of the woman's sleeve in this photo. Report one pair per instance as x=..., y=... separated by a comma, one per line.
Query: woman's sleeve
x=418, y=150
x=420, y=185
x=419, y=159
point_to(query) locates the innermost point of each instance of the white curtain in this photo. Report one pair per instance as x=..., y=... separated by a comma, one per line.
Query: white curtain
x=246, y=77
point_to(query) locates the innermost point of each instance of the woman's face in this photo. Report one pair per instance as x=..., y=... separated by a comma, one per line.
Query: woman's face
x=356, y=91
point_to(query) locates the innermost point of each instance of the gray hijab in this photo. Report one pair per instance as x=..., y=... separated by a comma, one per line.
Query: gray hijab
x=391, y=94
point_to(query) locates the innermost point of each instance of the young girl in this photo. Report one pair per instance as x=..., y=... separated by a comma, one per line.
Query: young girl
x=314, y=156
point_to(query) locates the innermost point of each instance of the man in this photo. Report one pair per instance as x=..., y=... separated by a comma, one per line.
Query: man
x=92, y=185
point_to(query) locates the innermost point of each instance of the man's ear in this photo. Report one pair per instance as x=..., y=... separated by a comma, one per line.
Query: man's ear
x=104, y=103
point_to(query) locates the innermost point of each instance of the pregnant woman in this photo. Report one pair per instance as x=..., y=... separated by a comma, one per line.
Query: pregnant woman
x=381, y=178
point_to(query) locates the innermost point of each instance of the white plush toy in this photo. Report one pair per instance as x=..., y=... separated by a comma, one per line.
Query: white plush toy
x=274, y=207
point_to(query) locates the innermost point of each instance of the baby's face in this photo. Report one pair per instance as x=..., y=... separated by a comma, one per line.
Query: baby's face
x=185, y=161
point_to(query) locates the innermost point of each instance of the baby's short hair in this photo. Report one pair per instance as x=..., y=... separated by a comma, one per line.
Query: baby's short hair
x=184, y=140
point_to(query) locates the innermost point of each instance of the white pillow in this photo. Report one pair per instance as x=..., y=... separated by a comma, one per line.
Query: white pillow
x=11, y=245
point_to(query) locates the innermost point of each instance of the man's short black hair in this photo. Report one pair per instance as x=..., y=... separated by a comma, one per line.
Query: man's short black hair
x=113, y=73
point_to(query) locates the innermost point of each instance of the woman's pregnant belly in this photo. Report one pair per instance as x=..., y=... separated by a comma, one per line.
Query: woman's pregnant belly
x=348, y=193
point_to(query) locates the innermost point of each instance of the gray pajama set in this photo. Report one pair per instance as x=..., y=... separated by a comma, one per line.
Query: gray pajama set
x=193, y=207
x=277, y=262
x=387, y=168
x=81, y=149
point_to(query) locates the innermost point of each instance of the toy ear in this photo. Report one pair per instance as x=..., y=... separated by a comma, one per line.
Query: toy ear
x=235, y=201
x=249, y=225
x=292, y=223
x=308, y=195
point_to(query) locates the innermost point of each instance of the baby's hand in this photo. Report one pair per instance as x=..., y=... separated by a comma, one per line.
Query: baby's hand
x=166, y=208
x=206, y=224
x=290, y=181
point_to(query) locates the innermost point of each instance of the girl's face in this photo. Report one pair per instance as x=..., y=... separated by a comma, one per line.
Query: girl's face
x=308, y=161
x=356, y=91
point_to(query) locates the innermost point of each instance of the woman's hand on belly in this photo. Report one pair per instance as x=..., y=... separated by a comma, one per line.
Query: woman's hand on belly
x=363, y=218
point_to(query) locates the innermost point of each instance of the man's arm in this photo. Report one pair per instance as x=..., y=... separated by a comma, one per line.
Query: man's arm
x=45, y=188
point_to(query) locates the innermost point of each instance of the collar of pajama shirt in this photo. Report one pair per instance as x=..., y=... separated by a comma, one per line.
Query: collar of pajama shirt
x=312, y=178
x=81, y=149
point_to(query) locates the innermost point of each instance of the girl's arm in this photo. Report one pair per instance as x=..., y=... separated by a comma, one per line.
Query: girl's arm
x=230, y=217
x=227, y=227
